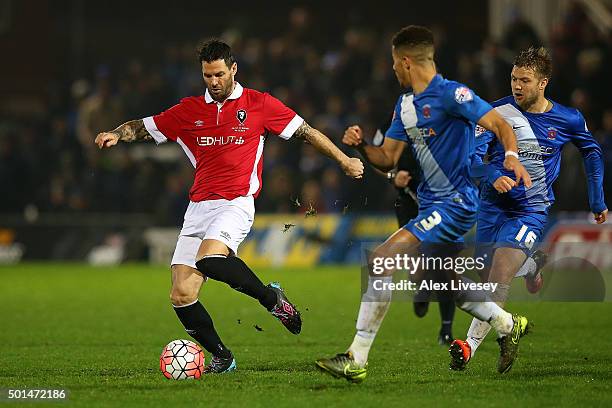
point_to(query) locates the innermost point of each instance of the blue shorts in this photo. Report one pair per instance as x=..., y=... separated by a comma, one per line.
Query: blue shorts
x=497, y=228
x=442, y=221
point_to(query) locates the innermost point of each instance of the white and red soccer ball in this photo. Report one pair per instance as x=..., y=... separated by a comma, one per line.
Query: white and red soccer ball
x=182, y=360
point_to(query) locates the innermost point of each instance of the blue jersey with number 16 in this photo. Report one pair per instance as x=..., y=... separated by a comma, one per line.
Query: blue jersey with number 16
x=541, y=137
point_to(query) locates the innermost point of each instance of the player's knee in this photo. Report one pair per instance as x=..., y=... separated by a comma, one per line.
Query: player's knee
x=182, y=295
x=186, y=284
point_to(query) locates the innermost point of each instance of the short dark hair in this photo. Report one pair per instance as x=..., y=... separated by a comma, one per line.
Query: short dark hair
x=538, y=59
x=413, y=36
x=213, y=50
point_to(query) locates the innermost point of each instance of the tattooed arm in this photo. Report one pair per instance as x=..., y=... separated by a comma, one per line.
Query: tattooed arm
x=128, y=132
x=351, y=166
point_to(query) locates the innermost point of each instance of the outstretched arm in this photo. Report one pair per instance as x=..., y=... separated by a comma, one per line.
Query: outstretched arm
x=592, y=157
x=131, y=131
x=593, y=164
x=351, y=166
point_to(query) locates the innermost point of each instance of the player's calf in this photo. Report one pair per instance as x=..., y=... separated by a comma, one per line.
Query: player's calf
x=234, y=272
x=199, y=325
x=239, y=276
x=186, y=283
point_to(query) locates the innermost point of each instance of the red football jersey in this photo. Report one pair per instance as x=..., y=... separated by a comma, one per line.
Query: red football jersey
x=224, y=141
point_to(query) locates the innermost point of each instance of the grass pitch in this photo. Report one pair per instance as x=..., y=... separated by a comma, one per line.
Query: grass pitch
x=98, y=332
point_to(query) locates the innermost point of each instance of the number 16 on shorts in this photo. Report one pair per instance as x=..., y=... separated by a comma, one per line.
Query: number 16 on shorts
x=528, y=238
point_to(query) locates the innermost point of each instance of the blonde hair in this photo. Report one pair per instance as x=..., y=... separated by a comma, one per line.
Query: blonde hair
x=538, y=59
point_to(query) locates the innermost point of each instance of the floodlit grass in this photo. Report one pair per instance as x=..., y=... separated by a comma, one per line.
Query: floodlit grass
x=98, y=332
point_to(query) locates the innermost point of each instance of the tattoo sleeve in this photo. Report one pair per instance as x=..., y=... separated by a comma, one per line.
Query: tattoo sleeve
x=319, y=141
x=132, y=131
x=302, y=131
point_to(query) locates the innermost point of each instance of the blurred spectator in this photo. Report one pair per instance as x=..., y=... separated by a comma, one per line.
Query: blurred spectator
x=99, y=111
x=331, y=184
x=520, y=35
x=333, y=77
x=278, y=192
x=494, y=70
x=312, y=198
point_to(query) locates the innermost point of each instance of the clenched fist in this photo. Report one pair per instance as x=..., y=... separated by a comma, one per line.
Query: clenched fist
x=504, y=184
x=353, y=136
x=352, y=167
x=601, y=217
x=402, y=178
x=106, y=139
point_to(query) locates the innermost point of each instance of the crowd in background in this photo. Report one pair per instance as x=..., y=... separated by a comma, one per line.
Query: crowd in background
x=54, y=164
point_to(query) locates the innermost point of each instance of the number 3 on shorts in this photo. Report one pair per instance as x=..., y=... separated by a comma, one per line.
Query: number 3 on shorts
x=530, y=238
x=431, y=221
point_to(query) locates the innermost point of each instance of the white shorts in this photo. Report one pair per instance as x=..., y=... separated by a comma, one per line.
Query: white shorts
x=228, y=221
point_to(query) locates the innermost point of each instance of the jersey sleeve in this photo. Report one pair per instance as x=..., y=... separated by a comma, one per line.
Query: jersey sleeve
x=461, y=101
x=396, y=128
x=280, y=119
x=593, y=162
x=478, y=168
x=166, y=125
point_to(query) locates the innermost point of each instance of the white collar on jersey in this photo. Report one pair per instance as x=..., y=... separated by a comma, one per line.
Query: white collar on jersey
x=236, y=93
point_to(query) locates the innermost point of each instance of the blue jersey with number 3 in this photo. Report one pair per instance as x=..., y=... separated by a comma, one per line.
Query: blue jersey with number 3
x=439, y=124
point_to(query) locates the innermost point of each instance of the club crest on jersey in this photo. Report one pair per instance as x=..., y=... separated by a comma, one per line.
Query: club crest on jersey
x=552, y=133
x=241, y=115
x=463, y=94
x=427, y=111
x=480, y=130
x=198, y=123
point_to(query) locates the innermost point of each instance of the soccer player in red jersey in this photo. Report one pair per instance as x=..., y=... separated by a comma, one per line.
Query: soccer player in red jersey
x=223, y=134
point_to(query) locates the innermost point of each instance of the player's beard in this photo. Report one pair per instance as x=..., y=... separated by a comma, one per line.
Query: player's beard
x=528, y=101
x=227, y=91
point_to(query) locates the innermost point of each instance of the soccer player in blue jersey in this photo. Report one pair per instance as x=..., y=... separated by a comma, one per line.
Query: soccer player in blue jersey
x=437, y=120
x=511, y=219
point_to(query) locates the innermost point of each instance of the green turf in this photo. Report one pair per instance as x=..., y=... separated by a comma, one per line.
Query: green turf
x=98, y=332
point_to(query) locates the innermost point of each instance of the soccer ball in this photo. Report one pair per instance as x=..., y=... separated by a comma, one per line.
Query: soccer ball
x=181, y=360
